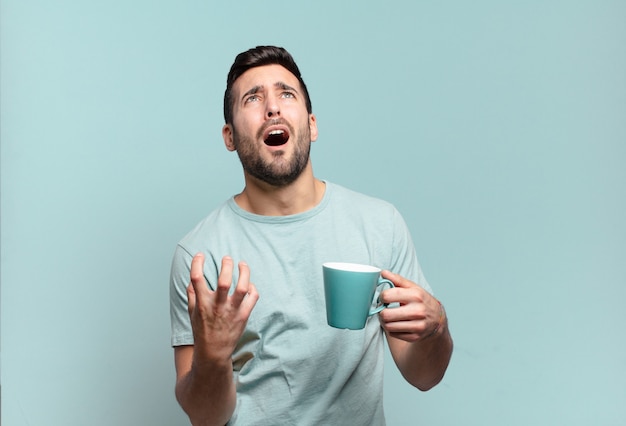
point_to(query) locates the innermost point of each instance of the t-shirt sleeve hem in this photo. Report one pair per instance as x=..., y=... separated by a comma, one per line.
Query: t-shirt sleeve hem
x=182, y=340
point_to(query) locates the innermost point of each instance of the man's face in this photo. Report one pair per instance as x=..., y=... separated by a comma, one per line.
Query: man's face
x=271, y=129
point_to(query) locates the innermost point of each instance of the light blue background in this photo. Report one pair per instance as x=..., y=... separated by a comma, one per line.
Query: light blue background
x=497, y=128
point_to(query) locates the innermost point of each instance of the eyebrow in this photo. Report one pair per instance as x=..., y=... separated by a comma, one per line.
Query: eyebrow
x=277, y=85
x=283, y=86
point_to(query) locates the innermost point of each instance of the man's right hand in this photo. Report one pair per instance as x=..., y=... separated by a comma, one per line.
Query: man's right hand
x=218, y=319
x=204, y=370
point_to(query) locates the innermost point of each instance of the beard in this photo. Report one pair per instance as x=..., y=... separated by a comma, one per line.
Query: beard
x=279, y=171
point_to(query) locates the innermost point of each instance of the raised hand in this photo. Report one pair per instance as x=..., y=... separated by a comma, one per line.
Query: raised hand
x=218, y=319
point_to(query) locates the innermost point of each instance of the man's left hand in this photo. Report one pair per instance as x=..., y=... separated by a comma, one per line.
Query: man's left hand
x=419, y=315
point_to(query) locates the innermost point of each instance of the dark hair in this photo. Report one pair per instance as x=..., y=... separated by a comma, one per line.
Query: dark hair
x=259, y=56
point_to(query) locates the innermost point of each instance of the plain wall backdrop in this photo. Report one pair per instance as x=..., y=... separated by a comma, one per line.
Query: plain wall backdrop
x=497, y=128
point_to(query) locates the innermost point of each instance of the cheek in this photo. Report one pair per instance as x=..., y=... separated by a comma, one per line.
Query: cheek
x=242, y=127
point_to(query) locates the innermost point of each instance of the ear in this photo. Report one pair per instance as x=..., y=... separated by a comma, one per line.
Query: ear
x=313, y=127
x=227, y=134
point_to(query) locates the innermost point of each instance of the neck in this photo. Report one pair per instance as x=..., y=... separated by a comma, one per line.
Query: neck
x=263, y=199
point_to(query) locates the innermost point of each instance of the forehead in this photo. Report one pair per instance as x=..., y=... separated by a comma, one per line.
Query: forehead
x=264, y=76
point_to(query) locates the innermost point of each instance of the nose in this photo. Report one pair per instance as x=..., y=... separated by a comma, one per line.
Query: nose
x=272, y=110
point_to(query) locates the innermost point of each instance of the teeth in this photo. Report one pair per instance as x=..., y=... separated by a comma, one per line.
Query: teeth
x=276, y=132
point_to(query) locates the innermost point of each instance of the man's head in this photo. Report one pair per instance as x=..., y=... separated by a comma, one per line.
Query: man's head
x=256, y=57
x=268, y=117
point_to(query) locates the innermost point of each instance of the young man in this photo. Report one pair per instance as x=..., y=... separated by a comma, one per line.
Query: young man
x=262, y=353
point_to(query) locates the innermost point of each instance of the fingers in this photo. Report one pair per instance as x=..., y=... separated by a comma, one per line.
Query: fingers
x=243, y=284
x=197, y=269
x=407, y=337
x=198, y=283
x=417, y=314
x=397, y=280
x=405, y=291
x=403, y=296
x=191, y=299
x=245, y=295
x=224, y=280
x=406, y=330
x=250, y=300
x=407, y=322
x=198, y=292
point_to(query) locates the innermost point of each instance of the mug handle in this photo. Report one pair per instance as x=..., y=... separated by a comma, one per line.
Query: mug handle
x=377, y=309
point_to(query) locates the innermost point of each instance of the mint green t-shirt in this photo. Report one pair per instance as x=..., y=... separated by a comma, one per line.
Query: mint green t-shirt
x=290, y=367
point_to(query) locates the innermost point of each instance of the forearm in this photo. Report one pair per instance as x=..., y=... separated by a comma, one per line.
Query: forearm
x=207, y=395
x=423, y=363
x=205, y=388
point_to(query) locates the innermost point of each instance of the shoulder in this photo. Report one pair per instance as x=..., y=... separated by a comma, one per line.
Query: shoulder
x=220, y=217
x=357, y=200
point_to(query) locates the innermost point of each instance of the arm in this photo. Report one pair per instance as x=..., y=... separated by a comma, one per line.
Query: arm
x=204, y=373
x=417, y=332
x=207, y=395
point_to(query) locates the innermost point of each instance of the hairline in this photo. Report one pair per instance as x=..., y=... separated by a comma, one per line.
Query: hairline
x=284, y=59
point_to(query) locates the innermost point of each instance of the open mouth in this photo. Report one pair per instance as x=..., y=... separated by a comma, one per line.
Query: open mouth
x=276, y=137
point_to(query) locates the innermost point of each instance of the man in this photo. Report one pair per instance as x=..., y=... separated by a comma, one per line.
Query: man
x=251, y=343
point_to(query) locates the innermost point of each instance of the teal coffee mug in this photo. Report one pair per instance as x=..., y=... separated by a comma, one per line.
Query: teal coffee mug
x=349, y=289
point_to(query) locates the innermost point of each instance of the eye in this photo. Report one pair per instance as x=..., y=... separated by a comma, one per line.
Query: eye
x=288, y=95
x=252, y=98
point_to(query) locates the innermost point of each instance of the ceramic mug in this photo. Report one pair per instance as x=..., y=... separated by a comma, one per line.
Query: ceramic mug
x=350, y=289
